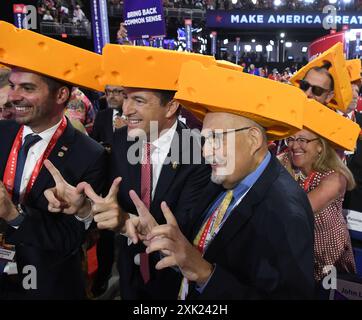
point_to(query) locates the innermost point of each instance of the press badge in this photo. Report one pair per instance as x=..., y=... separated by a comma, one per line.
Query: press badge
x=7, y=251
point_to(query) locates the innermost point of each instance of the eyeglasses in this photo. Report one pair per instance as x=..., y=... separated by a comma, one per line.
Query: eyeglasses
x=316, y=90
x=301, y=141
x=115, y=92
x=215, y=138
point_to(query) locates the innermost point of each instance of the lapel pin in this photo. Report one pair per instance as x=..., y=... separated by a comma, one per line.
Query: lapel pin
x=174, y=165
x=60, y=154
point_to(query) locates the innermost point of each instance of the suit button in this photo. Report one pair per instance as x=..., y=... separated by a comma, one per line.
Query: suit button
x=137, y=259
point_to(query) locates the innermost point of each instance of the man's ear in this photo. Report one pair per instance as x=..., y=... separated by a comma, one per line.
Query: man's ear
x=63, y=95
x=172, y=108
x=256, y=139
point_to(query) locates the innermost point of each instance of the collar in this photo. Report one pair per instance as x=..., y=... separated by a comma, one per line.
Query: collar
x=250, y=179
x=45, y=135
x=163, y=143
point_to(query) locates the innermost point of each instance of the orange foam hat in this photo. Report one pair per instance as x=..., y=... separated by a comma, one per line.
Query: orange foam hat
x=37, y=53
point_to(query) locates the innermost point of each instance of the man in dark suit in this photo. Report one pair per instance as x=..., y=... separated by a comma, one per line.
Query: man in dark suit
x=175, y=178
x=49, y=242
x=157, y=157
x=108, y=120
x=47, y=246
x=253, y=233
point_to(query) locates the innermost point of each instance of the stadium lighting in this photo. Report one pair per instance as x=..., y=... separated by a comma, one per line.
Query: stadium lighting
x=282, y=35
x=282, y=41
x=259, y=48
x=269, y=48
x=247, y=47
x=277, y=3
x=288, y=44
x=347, y=1
x=234, y=1
x=253, y=40
x=271, y=42
x=226, y=41
x=304, y=49
x=254, y=1
x=332, y=1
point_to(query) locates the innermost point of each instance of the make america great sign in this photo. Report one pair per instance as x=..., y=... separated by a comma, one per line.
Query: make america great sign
x=239, y=19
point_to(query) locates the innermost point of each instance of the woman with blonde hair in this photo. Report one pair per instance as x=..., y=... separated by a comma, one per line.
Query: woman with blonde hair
x=321, y=173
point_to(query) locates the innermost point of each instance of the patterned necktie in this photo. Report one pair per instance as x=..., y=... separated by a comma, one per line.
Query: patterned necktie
x=146, y=191
x=206, y=234
x=207, y=231
x=29, y=141
x=118, y=122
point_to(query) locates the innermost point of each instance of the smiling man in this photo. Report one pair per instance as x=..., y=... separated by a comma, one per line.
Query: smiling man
x=156, y=156
x=48, y=244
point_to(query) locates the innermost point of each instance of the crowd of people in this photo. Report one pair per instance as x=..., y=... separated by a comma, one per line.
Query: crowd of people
x=257, y=4
x=61, y=11
x=197, y=215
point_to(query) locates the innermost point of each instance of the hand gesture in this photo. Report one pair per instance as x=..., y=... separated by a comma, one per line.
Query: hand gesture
x=63, y=197
x=169, y=238
x=106, y=211
x=138, y=227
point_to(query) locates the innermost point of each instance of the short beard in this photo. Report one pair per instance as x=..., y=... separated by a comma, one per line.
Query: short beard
x=217, y=179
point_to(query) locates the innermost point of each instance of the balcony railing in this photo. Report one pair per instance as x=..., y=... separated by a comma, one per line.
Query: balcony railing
x=82, y=29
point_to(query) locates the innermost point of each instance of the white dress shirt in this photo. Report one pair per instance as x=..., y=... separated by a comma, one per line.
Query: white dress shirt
x=34, y=154
x=159, y=151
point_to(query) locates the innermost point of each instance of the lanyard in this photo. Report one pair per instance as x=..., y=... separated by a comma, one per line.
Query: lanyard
x=308, y=181
x=10, y=170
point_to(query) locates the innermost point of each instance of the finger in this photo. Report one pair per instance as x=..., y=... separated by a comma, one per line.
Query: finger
x=54, y=209
x=49, y=195
x=160, y=245
x=161, y=231
x=102, y=207
x=131, y=229
x=81, y=187
x=104, y=216
x=140, y=206
x=113, y=191
x=167, y=213
x=54, y=172
x=109, y=224
x=166, y=262
x=90, y=193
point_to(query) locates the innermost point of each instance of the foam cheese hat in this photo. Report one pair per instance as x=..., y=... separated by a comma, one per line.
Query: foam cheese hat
x=342, y=84
x=40, y=54
x=339, y=131
x=354, y=69
x=230, y=65
x=146, y=67
x=276, y=106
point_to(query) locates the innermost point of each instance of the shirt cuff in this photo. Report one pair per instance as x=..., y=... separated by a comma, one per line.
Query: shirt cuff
x=86, y=220
x=15, y=223
x=201, y=288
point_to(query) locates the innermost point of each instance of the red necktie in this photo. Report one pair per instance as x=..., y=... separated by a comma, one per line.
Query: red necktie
x=146, y=187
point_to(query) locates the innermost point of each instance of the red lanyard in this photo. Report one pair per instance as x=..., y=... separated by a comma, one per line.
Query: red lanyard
x=9, y=175
x=201, y=244
x=308, y=181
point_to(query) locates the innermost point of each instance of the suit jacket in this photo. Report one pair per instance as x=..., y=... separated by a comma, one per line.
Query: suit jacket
x=52, y=242
x=264, y=250
x=103, y=127
x=179, y=185
x=352, y=199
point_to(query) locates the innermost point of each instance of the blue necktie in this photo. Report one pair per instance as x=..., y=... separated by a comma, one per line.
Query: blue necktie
x=23, y=152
